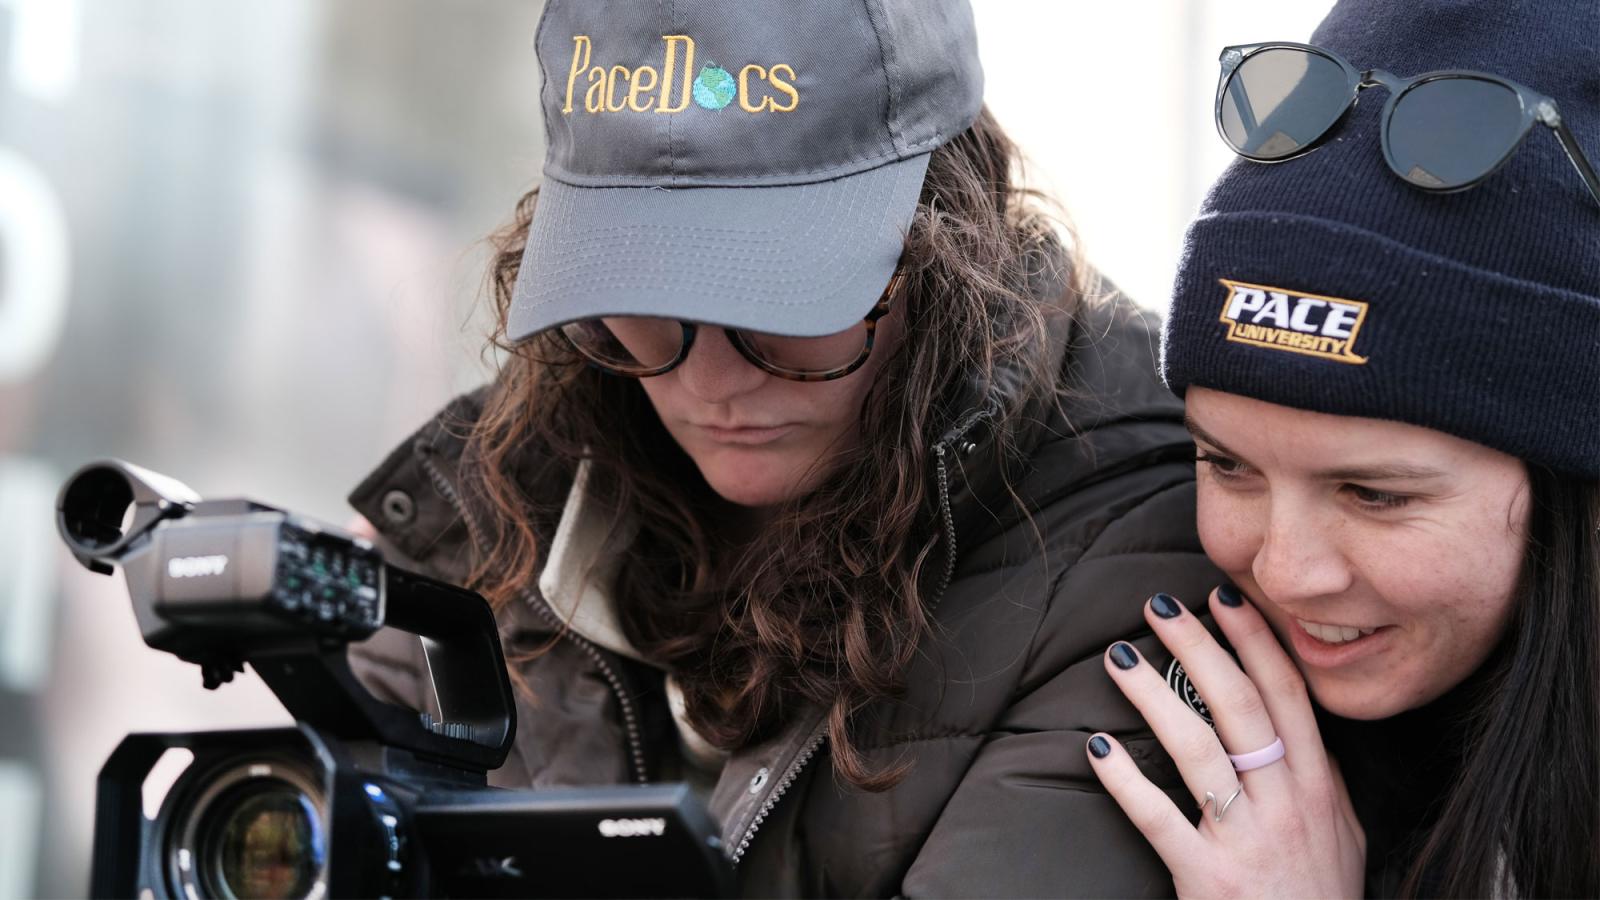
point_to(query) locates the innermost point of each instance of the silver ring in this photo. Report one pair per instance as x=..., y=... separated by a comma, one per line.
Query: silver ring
x=1219, y=809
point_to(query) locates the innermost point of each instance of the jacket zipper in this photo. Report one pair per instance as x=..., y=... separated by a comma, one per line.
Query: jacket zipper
x=630, y=717
x=821, y=734
x=778, y=791
x=949, y=520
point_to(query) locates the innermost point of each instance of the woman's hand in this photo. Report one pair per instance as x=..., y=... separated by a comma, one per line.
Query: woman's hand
x=1290, y=831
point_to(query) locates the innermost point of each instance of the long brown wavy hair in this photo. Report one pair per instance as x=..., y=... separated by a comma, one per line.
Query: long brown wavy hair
x=828, y=603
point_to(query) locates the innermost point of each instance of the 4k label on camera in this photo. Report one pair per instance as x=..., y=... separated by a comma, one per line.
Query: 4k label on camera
x=1309, y=324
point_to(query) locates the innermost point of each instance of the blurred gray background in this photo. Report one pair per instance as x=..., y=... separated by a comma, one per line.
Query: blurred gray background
x=241, y=244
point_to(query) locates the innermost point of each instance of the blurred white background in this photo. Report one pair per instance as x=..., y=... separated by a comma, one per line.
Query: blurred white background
x=239, y=244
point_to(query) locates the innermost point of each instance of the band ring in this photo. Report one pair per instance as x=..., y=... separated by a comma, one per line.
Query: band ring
x=1255, y=759
x=1219, y=808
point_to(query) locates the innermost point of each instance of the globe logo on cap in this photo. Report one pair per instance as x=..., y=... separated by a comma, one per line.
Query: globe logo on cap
x=714, y=87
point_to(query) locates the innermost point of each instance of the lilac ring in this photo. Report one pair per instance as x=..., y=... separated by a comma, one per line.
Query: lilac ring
x=1255, y=759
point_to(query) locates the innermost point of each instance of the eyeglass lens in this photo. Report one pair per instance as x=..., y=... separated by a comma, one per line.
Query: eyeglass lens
x=627, y=343
x=1448, y=132
x=645, y=343
x=808, y=354
x=1281, y=99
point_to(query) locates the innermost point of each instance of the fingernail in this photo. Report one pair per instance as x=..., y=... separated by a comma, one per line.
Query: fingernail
x=1100, y=747
x=1166, y=606
x=1122, y=654
x=1230, y=596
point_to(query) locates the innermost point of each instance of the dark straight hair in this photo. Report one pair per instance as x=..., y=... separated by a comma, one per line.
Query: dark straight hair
x=1522, y=816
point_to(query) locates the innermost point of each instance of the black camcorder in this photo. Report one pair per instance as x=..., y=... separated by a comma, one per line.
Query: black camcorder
x=361, y=798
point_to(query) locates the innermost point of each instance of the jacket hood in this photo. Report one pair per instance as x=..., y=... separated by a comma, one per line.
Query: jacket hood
x=1105, y=353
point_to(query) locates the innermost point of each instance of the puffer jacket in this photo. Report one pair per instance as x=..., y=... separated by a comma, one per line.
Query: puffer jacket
x=999, y=799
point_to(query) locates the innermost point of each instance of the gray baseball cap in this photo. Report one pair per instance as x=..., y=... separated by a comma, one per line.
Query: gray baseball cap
x=747, y=163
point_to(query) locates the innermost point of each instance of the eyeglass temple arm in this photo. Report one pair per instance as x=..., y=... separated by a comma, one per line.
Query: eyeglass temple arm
x=1580, y=162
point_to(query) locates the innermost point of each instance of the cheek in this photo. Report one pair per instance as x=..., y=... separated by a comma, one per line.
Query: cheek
x=662, y=396
x=1504, y=536
x=1457, y=570
x=834, y=405
x=1230, y=528
x=1460, y=581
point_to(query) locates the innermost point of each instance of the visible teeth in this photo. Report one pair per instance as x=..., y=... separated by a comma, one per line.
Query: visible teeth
x=1334, y=634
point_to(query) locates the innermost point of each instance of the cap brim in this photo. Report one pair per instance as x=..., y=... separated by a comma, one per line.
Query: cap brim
x=807, y=259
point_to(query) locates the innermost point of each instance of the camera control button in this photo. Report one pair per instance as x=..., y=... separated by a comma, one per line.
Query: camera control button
x=398, y=507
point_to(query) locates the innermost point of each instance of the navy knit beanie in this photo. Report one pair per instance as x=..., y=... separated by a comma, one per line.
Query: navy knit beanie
x=1474, y=313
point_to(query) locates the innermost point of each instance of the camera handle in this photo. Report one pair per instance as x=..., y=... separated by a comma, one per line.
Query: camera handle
x=462, y=648
x=223, y=582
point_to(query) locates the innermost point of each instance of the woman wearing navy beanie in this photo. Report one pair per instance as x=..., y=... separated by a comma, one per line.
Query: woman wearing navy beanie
x=1389, y=347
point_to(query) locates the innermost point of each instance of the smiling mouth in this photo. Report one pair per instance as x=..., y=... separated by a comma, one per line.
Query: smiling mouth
x=1333, y=634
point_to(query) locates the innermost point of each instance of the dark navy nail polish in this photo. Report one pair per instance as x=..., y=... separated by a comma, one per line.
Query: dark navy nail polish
x=1100, y=747
x=1123, y=656
x=1230, y=596
x=1166, y=606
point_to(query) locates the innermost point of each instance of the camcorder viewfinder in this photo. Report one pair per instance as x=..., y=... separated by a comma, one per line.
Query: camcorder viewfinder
x=361, y=797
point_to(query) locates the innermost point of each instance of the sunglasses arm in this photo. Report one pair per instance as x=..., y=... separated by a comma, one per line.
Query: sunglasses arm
x=1569, y=143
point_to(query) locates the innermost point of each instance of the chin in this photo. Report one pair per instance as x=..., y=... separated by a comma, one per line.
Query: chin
x=1364, y=703
x=755, y=486
x=755, y=496
x=757, y=477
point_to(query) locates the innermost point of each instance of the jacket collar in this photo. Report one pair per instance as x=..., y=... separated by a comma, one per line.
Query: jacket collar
x=577, y=580
x=1106, y=353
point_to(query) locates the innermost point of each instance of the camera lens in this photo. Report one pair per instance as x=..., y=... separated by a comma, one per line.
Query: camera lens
x=268, y=842
x=250, y=827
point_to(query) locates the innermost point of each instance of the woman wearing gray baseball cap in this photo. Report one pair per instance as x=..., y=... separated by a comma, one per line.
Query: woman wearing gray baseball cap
x=817, y=473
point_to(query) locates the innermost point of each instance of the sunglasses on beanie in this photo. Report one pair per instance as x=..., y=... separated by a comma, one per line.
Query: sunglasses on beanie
x=1441, y=131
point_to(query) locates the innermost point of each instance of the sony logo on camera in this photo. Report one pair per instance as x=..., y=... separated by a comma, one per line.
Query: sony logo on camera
x=632, y=827
x=196, y=566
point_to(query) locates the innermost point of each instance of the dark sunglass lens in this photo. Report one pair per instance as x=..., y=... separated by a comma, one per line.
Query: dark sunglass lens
x=1277, y=101
x=1449, y=132
x=628, y=344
